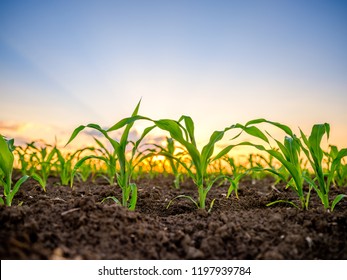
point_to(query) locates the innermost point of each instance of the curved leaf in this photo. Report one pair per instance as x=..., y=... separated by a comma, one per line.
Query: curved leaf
x=337, y=200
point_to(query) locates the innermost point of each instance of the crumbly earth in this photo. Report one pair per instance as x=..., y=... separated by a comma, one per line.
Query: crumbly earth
x=65, y=223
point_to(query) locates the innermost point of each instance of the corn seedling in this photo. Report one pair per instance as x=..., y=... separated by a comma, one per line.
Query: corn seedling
x=288, y=155
x=64, y=164
x=24, y=160
x=184, y=134
x=6, y=168
x=237, y=173
x=43, y=158
x=108, y=157
x=86, y=171
x=124, y=174
x=336, y=157
x=314, y=153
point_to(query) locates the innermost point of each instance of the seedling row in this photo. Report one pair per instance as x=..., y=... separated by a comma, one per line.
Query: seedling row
x=298, y=161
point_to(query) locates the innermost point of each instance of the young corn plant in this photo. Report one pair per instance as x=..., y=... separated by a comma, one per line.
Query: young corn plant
x=126, y=165
x=108, y=157
x=6, y=168
x=288, y=154
x=43, y=158
x=335, y=156
x=86, y=171
x=184, y=134
x=313, y=151
x=64, y=164
x=237, y=173
x=25, y=165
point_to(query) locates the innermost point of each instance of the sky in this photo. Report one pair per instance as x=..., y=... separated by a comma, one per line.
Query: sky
x=67, y=63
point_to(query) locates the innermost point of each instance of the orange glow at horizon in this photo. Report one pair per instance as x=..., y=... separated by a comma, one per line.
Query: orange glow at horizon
x=24, y=133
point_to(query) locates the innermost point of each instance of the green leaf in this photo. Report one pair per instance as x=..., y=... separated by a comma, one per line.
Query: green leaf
x=283, y=127
x=143, y=135
x=175, y=131
x=294, y=170
x=2, y=182
x=211, y=205
x=39, y=180
x=335, y=164
x=6, y=157
x=223, y=152
x=80, y=163
x=254, y=131
x=292, y=149
x=75, y=133
x=124, y=139
x=282, y=201
x=317, y=133
x=15, y=189
x=81, y=127
x=133, y=199
x=173, y=128
x=190, y=128
x=19, y=183
x=208, y=149
x=61, y=159
x=126, y=121
x=102, y=146
x=183, y=196
x=113, y=198
x=337, y=200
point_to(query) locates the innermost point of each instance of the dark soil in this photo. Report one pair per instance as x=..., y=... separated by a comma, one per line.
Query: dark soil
x=73, y=224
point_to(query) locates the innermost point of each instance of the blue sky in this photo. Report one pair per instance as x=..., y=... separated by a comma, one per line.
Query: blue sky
x=65, y=63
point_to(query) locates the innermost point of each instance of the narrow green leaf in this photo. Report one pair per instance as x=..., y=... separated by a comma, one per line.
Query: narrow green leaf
x=190, y=128
x=16, y=187
x=124, y=139
x=75, y=133
x=143, y=135
x=223, y=152
x=183, y=196
x=81, y=127
x=113, y=198
x=211, y=205
x=208, y=149
x=133, y=199
x=127, y=121
x=80, y=162
x=283, y=127
x=337, y=200
x=283, y=201
x=101, y=145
